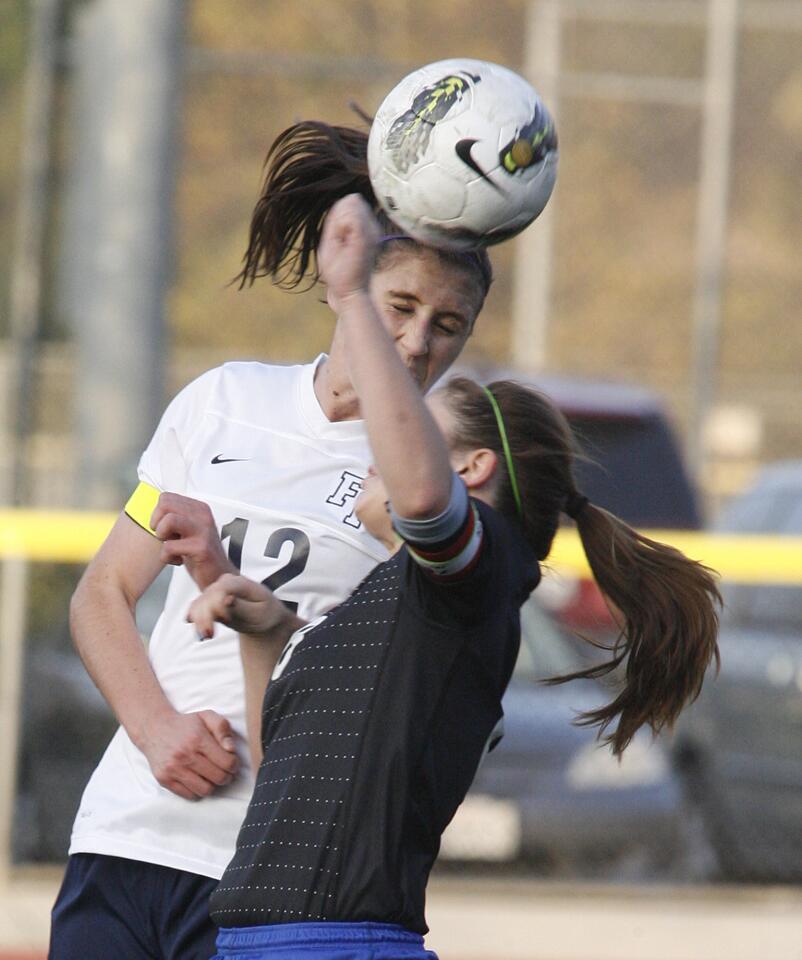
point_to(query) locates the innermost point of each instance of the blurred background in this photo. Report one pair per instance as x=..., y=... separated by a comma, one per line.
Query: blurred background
x=657, y=299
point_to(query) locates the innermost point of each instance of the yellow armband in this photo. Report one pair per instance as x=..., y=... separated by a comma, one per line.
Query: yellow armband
x=141, y=505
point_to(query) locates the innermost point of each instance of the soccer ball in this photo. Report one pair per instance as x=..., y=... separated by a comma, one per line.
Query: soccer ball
x=462, y=153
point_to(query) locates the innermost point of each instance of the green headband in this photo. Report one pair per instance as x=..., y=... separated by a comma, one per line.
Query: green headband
x=507, y=455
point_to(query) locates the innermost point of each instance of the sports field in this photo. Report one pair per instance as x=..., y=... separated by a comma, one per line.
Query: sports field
x=477, y=918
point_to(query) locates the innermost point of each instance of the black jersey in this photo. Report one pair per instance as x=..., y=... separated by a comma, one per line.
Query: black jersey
x=373, y=726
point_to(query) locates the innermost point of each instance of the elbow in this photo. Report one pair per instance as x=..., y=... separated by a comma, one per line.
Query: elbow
x=422, y=503
x=95, y=595
x=77, y=607
x=84, y=599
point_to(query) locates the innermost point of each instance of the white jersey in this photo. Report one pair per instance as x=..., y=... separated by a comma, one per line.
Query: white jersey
x=252, y=441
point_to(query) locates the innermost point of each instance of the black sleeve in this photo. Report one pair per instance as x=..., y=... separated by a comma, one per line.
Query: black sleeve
x=504, y=574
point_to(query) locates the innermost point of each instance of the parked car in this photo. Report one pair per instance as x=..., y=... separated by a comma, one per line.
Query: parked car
x=550, y=794
x=740, y=746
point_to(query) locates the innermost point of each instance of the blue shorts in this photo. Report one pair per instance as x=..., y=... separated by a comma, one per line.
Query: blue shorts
x=111, y=907
x=321, y=941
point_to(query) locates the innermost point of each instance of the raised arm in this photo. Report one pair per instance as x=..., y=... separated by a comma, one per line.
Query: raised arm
x=408, y=448
x=189, y=754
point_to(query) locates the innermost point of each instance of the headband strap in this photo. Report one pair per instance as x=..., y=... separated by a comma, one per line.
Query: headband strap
x=507, y=454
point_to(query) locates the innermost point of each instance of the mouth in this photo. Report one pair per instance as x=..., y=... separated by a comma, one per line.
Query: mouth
x=417, y=374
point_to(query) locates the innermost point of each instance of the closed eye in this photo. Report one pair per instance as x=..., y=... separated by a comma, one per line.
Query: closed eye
x=451, y=326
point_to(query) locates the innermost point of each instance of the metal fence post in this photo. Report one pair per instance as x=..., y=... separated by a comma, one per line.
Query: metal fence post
x=13, y=614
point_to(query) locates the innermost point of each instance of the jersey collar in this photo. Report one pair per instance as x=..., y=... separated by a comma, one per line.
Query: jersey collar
x=317, y=421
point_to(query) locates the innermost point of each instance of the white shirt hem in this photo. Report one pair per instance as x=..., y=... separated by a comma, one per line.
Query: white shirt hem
x=115, y=847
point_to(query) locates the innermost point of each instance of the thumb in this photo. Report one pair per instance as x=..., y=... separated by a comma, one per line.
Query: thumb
x=220, y=729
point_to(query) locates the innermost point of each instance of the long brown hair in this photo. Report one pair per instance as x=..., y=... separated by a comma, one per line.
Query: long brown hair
x=308, y=168
x=665, y=603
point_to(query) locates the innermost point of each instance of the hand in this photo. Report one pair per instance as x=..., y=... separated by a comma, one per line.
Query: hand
x=191, y=754
x=347, y=249
x=189, y=536
x=242, y=604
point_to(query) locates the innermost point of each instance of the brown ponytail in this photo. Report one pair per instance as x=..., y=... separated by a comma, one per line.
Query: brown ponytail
x=666, y=603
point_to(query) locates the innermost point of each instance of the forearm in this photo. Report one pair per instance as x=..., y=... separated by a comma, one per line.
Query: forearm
x=409, y=451
x=105, y=634
x=259, y=657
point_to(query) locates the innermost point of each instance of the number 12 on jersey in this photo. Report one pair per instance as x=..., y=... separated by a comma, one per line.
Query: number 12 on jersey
x=235, y=532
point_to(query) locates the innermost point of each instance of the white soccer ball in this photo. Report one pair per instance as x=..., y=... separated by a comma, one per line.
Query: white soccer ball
x=462, y=153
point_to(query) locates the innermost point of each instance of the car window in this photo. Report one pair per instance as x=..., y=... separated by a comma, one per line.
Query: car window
x=763, y=511
x=770, y=509
x=632, y=467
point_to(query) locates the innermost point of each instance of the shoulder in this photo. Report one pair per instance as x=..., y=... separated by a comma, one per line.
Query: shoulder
x=505, y=551
x=240, y=376
x=504, y=573
x=240, y=388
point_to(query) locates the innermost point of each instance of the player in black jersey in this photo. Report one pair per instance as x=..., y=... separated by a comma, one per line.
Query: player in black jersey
x=377, y=714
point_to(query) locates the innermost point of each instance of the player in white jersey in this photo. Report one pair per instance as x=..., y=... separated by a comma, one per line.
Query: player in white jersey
x=278, y=454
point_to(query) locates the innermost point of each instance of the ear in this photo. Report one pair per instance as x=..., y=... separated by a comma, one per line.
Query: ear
x=476, y=467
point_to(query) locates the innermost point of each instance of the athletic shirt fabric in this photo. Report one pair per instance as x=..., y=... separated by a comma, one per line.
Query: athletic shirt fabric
x=374, y=724
x=251, y=440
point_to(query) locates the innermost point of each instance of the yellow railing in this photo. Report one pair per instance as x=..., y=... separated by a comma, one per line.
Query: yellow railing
x=73, y=536
x=64, y=536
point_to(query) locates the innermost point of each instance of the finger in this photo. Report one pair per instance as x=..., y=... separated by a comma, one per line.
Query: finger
x=201, y=617
x=198, y=786
x=210, y=772
x=178, y=788
x=167, y=503
x=172, y=526
x=249, y=590
x=248, y=616
x=158, y=511
x=218, y=607
x=175, y=551
x=220, y=730
x=223, y=763
x=233, y=583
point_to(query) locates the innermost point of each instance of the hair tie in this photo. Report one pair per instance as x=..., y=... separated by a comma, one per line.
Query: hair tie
x=575, y=503
x=506, y=447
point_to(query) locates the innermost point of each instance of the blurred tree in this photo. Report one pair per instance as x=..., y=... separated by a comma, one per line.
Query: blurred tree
x=625, y=202
x=13, y=39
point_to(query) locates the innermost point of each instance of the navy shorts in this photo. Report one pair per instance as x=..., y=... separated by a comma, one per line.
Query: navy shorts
x=321, y=941
x=111, y=907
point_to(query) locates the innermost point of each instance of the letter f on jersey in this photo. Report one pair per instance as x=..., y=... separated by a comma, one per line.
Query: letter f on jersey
x=349, y=488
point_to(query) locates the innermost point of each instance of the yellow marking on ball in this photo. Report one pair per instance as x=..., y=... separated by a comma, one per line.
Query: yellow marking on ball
x=522, y=153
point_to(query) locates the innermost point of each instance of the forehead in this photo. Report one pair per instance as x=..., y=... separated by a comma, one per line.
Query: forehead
x=424, y=274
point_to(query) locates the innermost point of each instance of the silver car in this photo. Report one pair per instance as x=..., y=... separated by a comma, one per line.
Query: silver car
x=550, y=793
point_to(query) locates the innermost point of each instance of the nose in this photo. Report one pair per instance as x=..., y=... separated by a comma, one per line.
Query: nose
x=415, y=337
